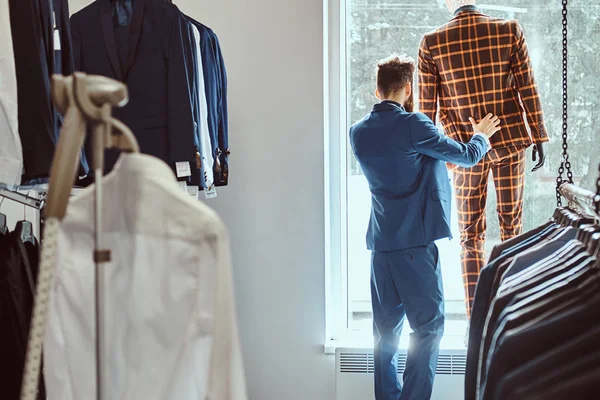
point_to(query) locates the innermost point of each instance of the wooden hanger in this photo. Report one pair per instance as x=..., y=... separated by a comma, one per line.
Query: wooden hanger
x=84, y=98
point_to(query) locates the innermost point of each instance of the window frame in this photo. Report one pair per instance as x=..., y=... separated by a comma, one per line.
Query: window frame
x=335, y=163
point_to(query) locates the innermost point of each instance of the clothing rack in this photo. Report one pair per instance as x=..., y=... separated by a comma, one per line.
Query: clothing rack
x=24, y=199
x=580, y=200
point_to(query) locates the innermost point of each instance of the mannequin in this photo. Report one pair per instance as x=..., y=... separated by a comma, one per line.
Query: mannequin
x=461, y=77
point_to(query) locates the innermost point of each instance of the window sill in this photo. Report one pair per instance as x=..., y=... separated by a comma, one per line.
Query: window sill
x=454, y=339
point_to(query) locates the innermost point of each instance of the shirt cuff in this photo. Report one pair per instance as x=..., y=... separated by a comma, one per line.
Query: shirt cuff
x=486, y=139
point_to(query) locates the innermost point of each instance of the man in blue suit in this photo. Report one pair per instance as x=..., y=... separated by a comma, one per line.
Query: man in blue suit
x=403, y=156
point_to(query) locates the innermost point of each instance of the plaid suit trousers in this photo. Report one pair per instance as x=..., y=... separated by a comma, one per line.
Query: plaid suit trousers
x=470, y=185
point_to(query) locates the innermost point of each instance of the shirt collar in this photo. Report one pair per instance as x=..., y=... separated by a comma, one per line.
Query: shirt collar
x=465, y=9
x=141, y=164
x=394, y=103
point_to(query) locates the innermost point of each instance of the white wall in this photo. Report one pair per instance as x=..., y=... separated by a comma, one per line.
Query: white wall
x=274, y=204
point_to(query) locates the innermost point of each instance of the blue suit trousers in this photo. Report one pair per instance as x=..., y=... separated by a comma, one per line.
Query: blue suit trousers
x=406, y=283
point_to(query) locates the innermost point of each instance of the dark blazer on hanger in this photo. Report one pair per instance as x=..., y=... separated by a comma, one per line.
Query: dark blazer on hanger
x=159, y=110
x=31, y=33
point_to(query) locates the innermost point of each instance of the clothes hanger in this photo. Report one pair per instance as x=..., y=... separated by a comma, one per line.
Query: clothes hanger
x=24, y=229
x=80, y=97
x=3, y=227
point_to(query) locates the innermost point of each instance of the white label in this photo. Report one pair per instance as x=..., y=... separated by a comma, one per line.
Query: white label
x=56, y=40
x=183, y=169
x=183, y=186
x=211, y=192
x=193, y=191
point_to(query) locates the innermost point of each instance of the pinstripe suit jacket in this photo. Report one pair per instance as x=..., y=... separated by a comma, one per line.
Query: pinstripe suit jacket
x=474, y=65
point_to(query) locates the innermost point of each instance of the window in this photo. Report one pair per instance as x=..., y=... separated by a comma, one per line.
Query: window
x=363, y=31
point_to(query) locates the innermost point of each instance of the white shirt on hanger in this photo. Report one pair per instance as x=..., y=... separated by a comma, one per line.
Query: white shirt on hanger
x=169, y=320
x=11, y=152
x=205, y=144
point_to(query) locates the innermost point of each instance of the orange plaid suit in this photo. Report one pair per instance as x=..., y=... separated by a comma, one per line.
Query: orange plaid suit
x=472, y=66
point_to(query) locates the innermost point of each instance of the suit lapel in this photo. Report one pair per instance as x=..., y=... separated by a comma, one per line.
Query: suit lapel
x=106, y=20
x=135, y=30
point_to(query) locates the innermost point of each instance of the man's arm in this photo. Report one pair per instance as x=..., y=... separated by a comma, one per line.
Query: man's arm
x=428, y=140
x=428, y=82
x=526, y=84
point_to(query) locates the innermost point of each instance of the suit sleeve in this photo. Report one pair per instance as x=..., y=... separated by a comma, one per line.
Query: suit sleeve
x=75, y=46
x=429, y=79
x=180, y=119
x=428, y=140
x=522, y=69
x=65, y=39
x=222, y=128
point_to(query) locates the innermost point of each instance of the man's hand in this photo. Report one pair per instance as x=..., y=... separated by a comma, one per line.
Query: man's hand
x=450, y=167
x=538, y=155
x=488, y=126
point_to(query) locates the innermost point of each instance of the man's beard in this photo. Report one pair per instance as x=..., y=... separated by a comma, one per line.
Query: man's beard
x=409, y=105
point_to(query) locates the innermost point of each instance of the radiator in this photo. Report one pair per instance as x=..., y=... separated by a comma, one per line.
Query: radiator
x=354, y=374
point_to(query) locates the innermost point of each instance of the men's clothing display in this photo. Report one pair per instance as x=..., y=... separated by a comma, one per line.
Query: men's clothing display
x=169, y=320
x=461, y=78
x=175, y=74
x=11, y=153
x=535, y=316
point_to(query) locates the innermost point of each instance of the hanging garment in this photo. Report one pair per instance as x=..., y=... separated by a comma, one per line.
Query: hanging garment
x=18, y=271
x=169, y=322
x=190, y=57
x=63, y=64
x=535, y=314
x=159, y=110
x=31, y=31
x=11, y=153
x=215, y=88
x=206, y=149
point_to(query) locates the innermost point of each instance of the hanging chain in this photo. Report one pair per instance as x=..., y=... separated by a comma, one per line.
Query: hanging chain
x=597, y=199
x=565, y=164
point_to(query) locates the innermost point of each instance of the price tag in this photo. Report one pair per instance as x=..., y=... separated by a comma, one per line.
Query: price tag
x=183, y=186
x=56, y=40
x=210, y=192
x=183, y=169
x=193, y=191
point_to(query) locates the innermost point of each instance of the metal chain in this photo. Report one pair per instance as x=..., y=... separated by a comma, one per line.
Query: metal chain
x=597, y=199
x=565, y=163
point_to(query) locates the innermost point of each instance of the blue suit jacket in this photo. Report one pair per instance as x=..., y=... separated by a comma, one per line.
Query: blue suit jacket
x=403, y=157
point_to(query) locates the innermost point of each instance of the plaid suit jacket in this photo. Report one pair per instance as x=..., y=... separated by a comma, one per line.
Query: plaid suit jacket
x=475, y=65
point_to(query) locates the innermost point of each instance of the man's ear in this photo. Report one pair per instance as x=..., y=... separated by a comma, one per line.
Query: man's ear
x=408, y=89
x=377, y=94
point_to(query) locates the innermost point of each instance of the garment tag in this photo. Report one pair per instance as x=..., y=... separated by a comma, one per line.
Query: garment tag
x=183, y=185
x=193, y=191
x=56, y=40
x=210, y=192
x=183, y=169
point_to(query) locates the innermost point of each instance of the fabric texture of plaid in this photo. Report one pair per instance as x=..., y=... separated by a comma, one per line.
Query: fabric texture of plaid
x=471, y=66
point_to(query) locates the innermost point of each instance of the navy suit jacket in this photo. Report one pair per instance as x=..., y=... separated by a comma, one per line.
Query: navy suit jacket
x=159, y=111
x=215, y=84
x=403, y=157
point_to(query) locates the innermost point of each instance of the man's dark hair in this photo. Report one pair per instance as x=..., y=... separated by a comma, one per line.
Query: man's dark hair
x=393, y=73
